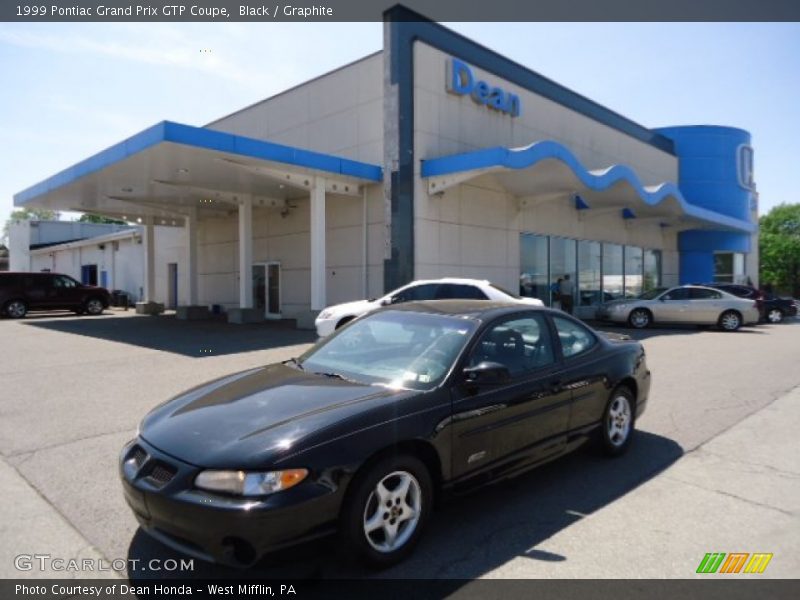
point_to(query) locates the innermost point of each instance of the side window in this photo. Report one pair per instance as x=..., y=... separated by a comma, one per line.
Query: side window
x=459, y=291
x=426, y=291
x=704, y=294
x=521, y=345
x=575, y=338
x=62, y=282
x=677, y=294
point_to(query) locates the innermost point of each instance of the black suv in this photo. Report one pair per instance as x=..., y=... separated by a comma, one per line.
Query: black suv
x=771, y=308
x=22, y=292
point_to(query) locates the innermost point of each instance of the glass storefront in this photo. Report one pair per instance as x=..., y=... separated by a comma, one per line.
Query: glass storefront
x=598, y=272
x=534, y=281
x=634, y=271
x=562, y=272
x=728, y=267
x=613, y=280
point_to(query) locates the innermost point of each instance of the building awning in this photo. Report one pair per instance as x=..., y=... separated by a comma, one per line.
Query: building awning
x=549, y=171
x=166, y=169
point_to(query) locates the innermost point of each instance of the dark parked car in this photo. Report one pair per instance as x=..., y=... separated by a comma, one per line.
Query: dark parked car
x=366, y=428
x=24, y=292
x=771, y=308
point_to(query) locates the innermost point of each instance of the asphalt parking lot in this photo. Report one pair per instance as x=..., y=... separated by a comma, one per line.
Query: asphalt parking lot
x=714, y=468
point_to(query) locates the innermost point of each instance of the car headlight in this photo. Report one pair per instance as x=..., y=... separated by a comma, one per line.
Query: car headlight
x=243, y=483
x=325, y=314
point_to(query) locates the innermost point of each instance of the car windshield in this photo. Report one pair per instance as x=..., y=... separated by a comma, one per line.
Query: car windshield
x=505, y=291
x=652, y=294
x=393, y=348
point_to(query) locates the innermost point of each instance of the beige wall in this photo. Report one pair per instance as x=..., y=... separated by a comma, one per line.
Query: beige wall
x=285, y=239
x=338, y=113
x=472, y=230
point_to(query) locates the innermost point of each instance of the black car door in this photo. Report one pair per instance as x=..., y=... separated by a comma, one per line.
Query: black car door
x=502, y=426
x=583, y=372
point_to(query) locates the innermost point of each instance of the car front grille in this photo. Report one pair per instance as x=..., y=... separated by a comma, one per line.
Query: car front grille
x=138, y=456
x=161, y=474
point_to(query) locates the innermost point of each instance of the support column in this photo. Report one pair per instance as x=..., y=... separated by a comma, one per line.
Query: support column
x=318, y=293
x=245, y=313
x=192, y=311
x=149, y=306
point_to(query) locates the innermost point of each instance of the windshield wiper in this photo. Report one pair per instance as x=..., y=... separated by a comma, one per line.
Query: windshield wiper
x=295, y=362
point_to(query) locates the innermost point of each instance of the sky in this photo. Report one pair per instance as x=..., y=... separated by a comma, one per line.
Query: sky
x=68, y=91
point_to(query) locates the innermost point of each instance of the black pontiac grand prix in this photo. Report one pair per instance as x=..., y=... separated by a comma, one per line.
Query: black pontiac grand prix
x=361, y=432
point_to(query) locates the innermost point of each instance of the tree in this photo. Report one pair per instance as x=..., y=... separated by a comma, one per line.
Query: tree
x=92, y=218
x=779, y=248
x=28, y=214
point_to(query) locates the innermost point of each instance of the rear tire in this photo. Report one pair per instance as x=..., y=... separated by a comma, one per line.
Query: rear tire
x=385, y=513
x=93, y=307
x=619, y=419
x=16, y=309
x=730, y=320
x=640, y=318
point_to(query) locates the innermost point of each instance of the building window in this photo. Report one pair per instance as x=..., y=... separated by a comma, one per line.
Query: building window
x=589, y=274
x=613, y=284
x=534, y=281
x=562, y=271
x=634, y=271
x=652, y=270
x=728, y=267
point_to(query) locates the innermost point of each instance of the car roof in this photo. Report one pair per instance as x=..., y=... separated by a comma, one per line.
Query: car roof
x=476, y=309
x=448, y=280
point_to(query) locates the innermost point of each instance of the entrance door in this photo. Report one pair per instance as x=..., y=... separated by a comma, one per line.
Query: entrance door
x=89, y=274
x=267, y=289
x=172, y=285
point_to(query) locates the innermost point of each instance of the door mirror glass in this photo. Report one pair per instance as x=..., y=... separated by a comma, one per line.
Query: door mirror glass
x=487, y=373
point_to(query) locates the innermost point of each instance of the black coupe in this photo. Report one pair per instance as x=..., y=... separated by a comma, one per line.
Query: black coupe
x=365, y=429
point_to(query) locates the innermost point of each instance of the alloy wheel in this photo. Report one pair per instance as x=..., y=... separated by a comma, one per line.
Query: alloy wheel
x=640, y=319
x=94, y=306
x=16, y=309
x=618, y=423
x=730, y=321
x=775, y=316
x=393, y=511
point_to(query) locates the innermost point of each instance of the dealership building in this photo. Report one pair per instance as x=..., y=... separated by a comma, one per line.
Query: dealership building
x=433, y=157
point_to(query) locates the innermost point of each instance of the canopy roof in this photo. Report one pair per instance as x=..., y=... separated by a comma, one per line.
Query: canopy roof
x=169, y=168
x=548, y=170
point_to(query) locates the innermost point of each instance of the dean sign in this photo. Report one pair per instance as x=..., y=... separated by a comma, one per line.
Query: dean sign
x=461, y=81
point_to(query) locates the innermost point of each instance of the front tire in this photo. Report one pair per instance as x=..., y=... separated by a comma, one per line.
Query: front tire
x=16, y=309
x=775, y=315
x=730, y=321
x=618, y=421
x=640, y=318
x=383, y=519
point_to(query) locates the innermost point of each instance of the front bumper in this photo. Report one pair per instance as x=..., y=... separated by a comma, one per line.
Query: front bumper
x=231, y=530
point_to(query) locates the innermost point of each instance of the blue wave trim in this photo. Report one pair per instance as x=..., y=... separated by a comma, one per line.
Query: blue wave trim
x=201, y=137
x=597, y=180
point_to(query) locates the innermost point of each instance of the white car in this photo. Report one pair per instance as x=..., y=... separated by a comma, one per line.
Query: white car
x=333, y=317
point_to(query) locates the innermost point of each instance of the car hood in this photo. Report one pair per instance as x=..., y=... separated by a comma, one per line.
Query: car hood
x=356, y=308
x=249, y=419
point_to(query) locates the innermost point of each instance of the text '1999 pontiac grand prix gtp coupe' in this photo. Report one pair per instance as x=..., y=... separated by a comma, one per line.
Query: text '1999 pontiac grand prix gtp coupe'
x=365, y=429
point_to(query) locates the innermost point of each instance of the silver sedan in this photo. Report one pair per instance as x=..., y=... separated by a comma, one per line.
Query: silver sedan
x=694, y=304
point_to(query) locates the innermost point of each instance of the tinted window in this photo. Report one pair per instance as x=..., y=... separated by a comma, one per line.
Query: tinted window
x=520, y=345
x=394, y=348
x=704, y=294
x=677, y=294
x=426, y=291
x=62, y=281
x=575, y=338
x=459, y=291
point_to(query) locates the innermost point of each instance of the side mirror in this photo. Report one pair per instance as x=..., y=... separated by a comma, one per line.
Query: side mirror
x=391, y=300
x=487, y=373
